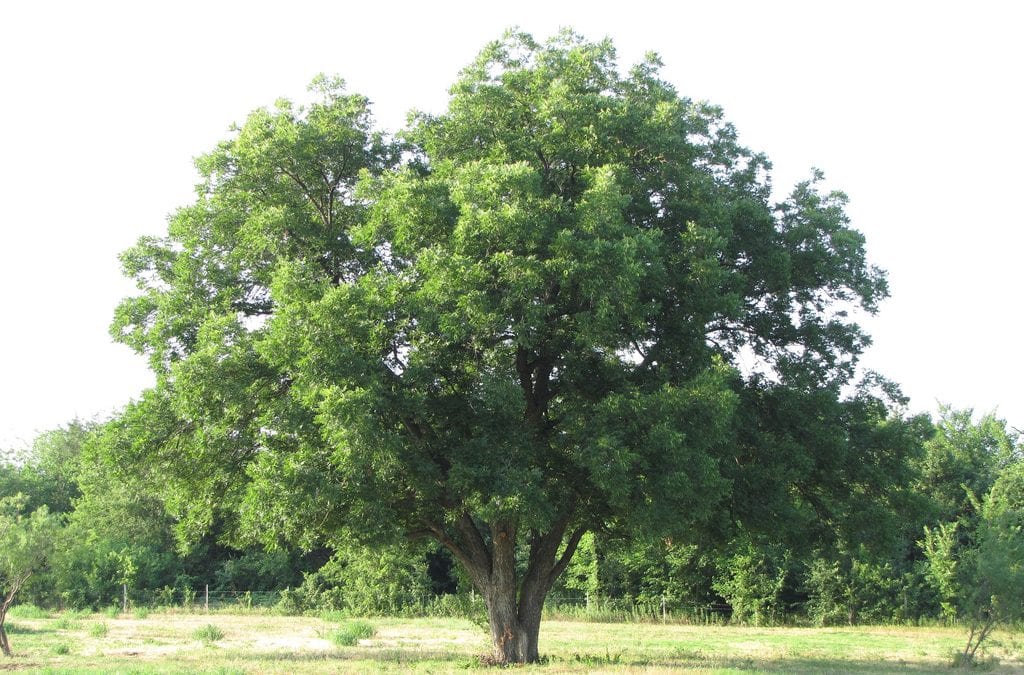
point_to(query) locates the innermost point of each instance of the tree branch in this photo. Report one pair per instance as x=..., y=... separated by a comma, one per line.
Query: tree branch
x=570, y=549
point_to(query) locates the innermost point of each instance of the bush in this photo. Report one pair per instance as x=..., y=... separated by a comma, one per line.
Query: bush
x=752, y=581
x=98, y=630
x=351, y=633
x=208, y=634
x=363, y=581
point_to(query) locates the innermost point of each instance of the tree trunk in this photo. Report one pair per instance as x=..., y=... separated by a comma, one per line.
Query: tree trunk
x=5, y=605
x=513, y=612
x=514, y=605
x=5, y=645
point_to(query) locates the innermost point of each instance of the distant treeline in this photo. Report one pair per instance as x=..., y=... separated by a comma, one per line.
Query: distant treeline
x=904, y=568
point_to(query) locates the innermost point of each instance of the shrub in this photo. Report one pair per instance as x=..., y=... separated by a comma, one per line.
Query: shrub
x=98, y=630
x=351, y=633
x=208, y=634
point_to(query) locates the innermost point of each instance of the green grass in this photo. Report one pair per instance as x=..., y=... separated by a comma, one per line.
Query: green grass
x=67, y=623
x=28, y=612
x=208, y=634
x=166, y=643
x=351, y=633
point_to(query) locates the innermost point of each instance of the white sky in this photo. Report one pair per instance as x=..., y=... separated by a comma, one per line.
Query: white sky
x=915, y=109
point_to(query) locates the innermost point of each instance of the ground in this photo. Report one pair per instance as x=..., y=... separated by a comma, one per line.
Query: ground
x=169, y=642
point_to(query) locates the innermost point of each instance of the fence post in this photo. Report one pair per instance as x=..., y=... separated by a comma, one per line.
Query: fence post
x=124, y=598
x=206, y=598
x=664, y=614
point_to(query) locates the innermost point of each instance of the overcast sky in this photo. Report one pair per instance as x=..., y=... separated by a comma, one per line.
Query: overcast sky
x=915, y=109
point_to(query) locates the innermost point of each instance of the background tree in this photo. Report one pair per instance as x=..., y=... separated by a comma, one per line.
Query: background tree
x=994, y=589
x=46, y=472
x=533, y=325
x=28, y=541
x=963, y=458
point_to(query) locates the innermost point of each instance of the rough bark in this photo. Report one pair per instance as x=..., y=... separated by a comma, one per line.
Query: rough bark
x=514, y=604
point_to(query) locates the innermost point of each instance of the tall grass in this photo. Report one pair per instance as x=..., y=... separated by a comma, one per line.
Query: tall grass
x=28, y=612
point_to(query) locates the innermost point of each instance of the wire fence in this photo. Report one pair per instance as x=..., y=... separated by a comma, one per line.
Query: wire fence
x=581, y=606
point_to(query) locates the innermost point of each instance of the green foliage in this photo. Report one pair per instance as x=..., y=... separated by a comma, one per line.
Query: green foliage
x=67, y=623
x=256, y=570
x=752, y=581
x=531, y=317
x=363, y=581
x=648, y=570
x=29, y=540
x=99, y=630
x=583, y=572
x=28, y=611
x=208, y=634
x=963, y=458
x=940, y=550
x=351, y=633
x=995, y=574
x=853, y=589
x=980, y=577
x=47, y=472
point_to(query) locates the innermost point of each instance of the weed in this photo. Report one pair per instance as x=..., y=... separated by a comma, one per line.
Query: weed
x=67, y=623
x=351, y=633
x=98, y=630
x=112, y=611
x=598, y=660
x=983, y=663
x=61, y=649
x=141, y=613
x=208, y=634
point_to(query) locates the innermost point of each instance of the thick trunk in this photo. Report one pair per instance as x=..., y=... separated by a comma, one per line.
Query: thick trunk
x=514, y=605
x=513, y=613
x=512, y=640
x=509, y=638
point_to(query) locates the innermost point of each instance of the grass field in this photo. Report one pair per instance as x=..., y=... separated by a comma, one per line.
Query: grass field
x=171, y=642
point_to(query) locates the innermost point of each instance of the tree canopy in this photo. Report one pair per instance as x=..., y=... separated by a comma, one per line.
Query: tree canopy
x=566, y=303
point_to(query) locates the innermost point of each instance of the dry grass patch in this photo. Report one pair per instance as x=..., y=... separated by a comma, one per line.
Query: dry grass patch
x=167, y=643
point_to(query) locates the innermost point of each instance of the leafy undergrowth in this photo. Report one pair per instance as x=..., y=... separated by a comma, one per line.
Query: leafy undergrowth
x=165, y=642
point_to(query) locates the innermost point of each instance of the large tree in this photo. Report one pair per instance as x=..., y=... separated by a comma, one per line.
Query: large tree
x=567, y=303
